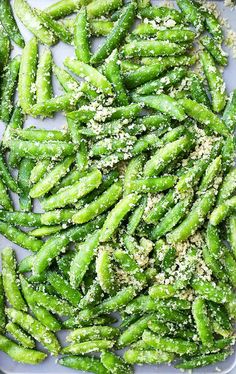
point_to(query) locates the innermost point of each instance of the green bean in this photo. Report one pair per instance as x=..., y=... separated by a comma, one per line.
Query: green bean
x=145, y=356
x=42, y=314
x=32, y=22
x=204, y=360
x=219, y=293
x=82, y=50
x=228, y=151
x=21, y=354
x=21, y=218
x=212, y=171
x=136, y=216
x=92, y=297
x=71, y=194
x=191, y=13
x=170, y=79
x=36, y=329
x=116, y=215
x=20, y=335
x=73, y=322
x=101, y=27
x=197, y=90
x=9, y=23
x=63, y=288
x=88, y=346
x=214, y=264
x=57, y=28
x=171, y=219
x=194, y=219
x=202, y=321
x=112, y=73
x=229, y=115
x=114, y=303
x=16, y=122
x=158, y=122
x=163, y=103
x=27, y=74
x=99, y=8
x=161, y=13
x=45, y=231
x=105, y=273
x=73, y=176
x=36, y=150
x=26, y=166
x=117, y=34
x=41, y=135
x=114, y=363
x=232, y=233
x=6, y=176
x=221, y=322
x=66, y=102
x=64, y=7
x=9, y=82
x=2, y=306
x=229, y=265
x=165, y=155
x=160, y=208
x=57, y=216
x=174, y=345
x=10, y=281
x=83, y=258
x=152, y=185
x=134, y=331
x=173, y=35
x=66, y=80
x=215, y=82
x=20, y=237
x=86, y=363
x=52, y=248
x=168, y=261
x=92, y=333
x=203, y=115
x=222, y=211
x=228, y=186
x=128, y=66
x=49, y=302
x=43, y=77
x=149, y=48
x=216, y=51
x=91, y=74
x=213, y=25
x=51, y=179
x=106, y=200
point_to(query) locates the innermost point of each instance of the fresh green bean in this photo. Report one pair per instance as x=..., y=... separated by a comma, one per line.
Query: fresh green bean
x=9, y=82
x=20, y=335
x=83, y=258
x=215, y=82
x=51, y=179
x=232, y=232
x=88, y=346
x=204, y=360
x=21, y=354
x=213, y=25
x=161, y=13
x=149, y=48
x=32, y=22
x=191, y=13
x=202, y=321
x=91, y=74
x=212, y=171
x=216, y=51
x=21, y=218
x=198, y=92
x=45, y=231
x=36, y=329
x=9, y=23
x=6, y=176
x=114, y=363
x=86, y=363
x=194, y=219
x=63, y=288
x=27, y=73
x=10, y=281
x=117, y=34
x=55, y=245
x=228, y=186
x=222, y=211
x=2, y=306
x=229, y=115
x=116, y=215
x=219, y=293
x=98, y=8
x=203, y=115
x=82, y=50
x=20, y=237
x=26, y=166
x=66, y=102
x=145, y=356
x=57, y=28
x=5, y=200
x=43, y=77
x=112, y=73
x=64, y=7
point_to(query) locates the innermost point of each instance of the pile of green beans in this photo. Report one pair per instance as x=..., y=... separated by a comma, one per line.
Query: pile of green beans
x=137, y=194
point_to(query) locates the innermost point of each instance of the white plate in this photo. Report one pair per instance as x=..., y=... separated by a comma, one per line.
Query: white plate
x=49, y=366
